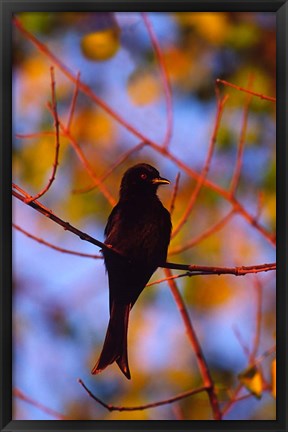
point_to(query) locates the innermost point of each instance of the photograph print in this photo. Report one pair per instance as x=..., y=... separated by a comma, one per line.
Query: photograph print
x=144, y=216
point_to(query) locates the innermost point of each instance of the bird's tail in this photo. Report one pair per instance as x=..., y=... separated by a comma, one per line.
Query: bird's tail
x=115, y=344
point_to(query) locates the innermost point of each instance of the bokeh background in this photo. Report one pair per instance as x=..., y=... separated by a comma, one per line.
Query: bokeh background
x=60, y=301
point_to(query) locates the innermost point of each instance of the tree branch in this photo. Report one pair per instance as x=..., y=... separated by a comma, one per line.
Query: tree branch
x=204, y=172
x=57, y=248
x=237, y=171
x=142, y=407
x=237, y=271
x=261, y=96
x=86, y=163
x=160, y=149
x=118, y=162
x=165, y=79
x=73, y=103
x=204, y=370
x=174, y=194
x=20, y=395
x=57, y=142
x=209, y=231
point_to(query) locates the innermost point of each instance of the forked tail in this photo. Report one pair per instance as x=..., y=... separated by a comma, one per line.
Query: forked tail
x=115, y=344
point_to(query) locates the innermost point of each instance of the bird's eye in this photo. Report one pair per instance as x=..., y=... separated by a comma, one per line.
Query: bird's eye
x=143, y=176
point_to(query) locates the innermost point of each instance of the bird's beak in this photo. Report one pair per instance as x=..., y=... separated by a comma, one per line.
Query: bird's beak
x=160, y=180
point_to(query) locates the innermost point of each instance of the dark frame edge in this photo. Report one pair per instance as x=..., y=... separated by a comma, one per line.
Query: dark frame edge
x=282, y=211
x=5, y=226
x=150, y=5
x=7, y=425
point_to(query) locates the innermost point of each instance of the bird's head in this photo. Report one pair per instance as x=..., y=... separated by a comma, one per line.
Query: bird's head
x=141, y=179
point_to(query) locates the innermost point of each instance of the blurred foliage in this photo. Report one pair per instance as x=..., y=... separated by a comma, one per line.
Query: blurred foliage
x=143, y=87
x=252, y=380
x=101, y=45
x=115, y=58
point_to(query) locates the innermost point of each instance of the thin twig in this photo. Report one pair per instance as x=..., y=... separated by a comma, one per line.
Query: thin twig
x=187, y=274
x=165, y=79
x=57, y=141
x=234, y=398
x=266, y=353
x=205, y=373
x=73, y=102
x=237, y=271
x=66, y=225
x=142, y=407
x=57, y=248
x=259, y=205
x=241, y=342
x=261, y=96
x=174, y=194
x=258, y=320
x=204, y=172
x=36, y=134
x=211, y=230
x=238, y=207
x=238, y=166
x=115, y=165
x=87, y=165
x=20, y=395
x=83, y=87
x=160, y=149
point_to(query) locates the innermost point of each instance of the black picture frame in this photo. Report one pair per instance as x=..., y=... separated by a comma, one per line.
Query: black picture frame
x=9, y=7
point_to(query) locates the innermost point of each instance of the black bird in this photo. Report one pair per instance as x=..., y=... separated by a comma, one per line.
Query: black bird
x=139, y=227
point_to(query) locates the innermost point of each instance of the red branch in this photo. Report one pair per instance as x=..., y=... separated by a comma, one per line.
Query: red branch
x=201, y=179
x=206, y=376
x=256, y=341
x=237, y=271
x=57, y=248
x=165, y=79
x=73, y=103
x=174, y=194
x=239, y=159
x=142, y=407
x=261, y=96
x=115, y=165
x=87, y=165
x=57, y=142
x=20, y=395
x=209, y=231
x=160, y=149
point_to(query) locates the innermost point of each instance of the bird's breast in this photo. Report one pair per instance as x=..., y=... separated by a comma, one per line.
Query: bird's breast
x=140, y=231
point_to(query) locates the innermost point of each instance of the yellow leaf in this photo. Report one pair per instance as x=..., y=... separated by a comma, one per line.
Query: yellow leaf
x=204, y=295
x=101, y=45
x=273, y=375
x=178, y=63
x=92, y=125
x=37, y=159
x=210, y=25
x=143, y=87
x=251, y=378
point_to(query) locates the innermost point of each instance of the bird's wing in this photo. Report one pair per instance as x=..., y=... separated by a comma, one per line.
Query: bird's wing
x=112, y=222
